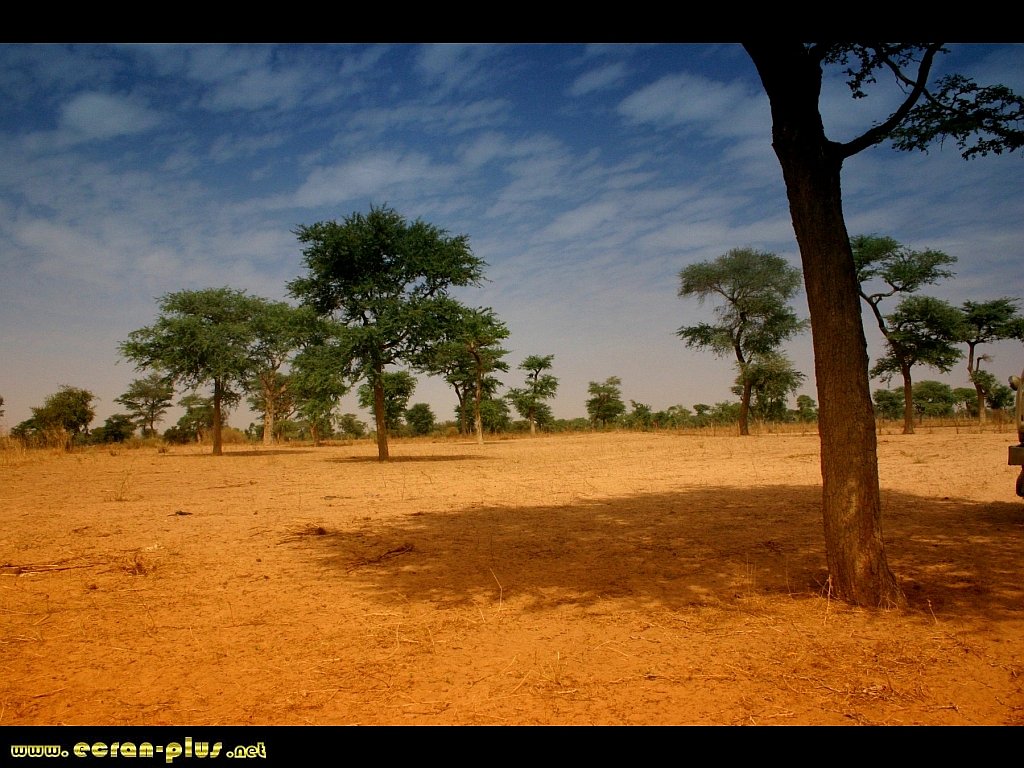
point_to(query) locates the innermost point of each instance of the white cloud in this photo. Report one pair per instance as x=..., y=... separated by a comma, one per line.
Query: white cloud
x=598, y=79
x=100, y=116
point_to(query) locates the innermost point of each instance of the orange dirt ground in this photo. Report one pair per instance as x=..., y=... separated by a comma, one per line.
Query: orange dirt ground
x=587, y=579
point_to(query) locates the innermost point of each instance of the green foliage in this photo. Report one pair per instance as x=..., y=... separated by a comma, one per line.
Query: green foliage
x=350, y=426
x=147, y=400
x=888, y=404
x=806, y=409
x=921, y=331
x=201, y=338
x=116, y=429
x=530, y=400
x=605, y=404
x=420, y=419
x=398, y=388
x=640, y=417
x=983, y=323
x=933, y=398
x=753, y=318
x=386, y=281
x=319, y=377
x=62, y=419
x=772, y=380
x=195, y=423
x=674, y=417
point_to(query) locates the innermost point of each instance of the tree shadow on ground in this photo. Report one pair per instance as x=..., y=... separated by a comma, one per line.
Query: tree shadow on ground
x=406, y=459
x=709, y=545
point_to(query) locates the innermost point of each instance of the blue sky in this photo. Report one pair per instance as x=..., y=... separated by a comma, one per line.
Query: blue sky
x=586, y=176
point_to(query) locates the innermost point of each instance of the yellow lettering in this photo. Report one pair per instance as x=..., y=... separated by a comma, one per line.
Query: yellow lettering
x=81, y=749
x=127, y=749
x=145, y=749
x=172, y=751
x=216, y=749
x=99, y=749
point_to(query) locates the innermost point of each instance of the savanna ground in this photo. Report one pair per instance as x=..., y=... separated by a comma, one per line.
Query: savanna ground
x=621, y=578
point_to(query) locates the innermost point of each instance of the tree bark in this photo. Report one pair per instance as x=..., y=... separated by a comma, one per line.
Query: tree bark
x=908, y=402
x=268, y=415
x=811, y=166
x=380, y=416
x=218, y=395
x=745, y=406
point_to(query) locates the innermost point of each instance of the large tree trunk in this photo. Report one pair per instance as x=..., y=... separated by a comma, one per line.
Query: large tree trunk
x=908, y=402
x=478, y=421
x=811, y=165
x=218, y=396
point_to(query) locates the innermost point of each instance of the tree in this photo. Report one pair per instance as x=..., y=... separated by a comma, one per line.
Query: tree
x=279, y=329
x=195, y=423
x=983, y=323
x=771, y=379
x=63, y=417
x=147, y=400
x=791, y=73
x=396, y=388
x=888, y=404
x=926, y=329
x=640, y=417
x=420, y=419
x=754, y=318
x=384, y=280
x=200, y=338
x=116, y=429
x=529, y=401
x=605, y=403
x=806, y=409
x=922, y=331
x=933, y=398
x=319, y=377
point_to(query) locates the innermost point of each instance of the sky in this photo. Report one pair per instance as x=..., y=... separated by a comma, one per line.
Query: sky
x=585, y=176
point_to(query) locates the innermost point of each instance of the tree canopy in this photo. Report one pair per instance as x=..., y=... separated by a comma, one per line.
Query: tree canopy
x=62, y=418
x=605, y=403
x=201, y=338
x=530, y=401
x=383, y=279
x=753, y=316
x=147, y=400
x=985, y=322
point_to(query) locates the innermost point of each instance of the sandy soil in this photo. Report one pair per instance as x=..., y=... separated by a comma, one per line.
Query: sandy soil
x=607, y=578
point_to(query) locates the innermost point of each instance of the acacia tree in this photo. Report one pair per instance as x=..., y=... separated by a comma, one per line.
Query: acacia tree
x=772, y=379
x=981, y=120
x=62, y=418
x=319, y=376
x=383, y=279
x=605, y=403
x=918, y=332
x=754, y=318
x=279, y=329
x=397, y=388
x=530, y=401
x=201, y=338
x=472, y=346
x=922, y=331
x=147, y=400
x=983, y=323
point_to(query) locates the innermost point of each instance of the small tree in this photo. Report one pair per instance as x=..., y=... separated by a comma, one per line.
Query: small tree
x=200, y=338
x=383, y=279
x=984, y=323
x=147, y=400
x=888, y=404
x=420, y=419
x=396, y=388
x=754, y=318
x=605, y=404
x=933, y=398
x=922, y=331
x=63, y=418
x=116, y=429
x=772, y=379
x=806, y=409
x=279, y=329
x=530, y=400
